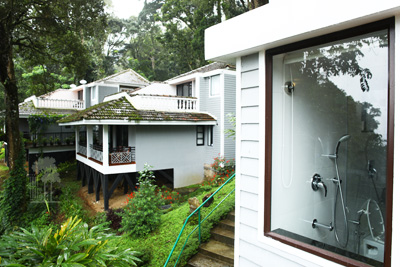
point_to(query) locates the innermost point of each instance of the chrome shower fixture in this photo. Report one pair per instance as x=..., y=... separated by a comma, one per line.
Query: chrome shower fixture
x=289, y=87
x=344, y=138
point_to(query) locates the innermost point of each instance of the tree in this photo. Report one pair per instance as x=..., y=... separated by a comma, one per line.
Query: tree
x=43, y=31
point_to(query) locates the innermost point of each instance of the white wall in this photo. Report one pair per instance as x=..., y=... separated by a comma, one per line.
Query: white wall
x=284, y=22
x=158, y=89
x=171, y=147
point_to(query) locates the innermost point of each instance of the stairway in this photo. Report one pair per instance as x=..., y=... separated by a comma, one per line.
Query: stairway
x=218, y=252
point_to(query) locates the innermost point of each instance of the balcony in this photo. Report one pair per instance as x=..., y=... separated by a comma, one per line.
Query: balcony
x=59, y=103
x=165, y=103
x=117, y=156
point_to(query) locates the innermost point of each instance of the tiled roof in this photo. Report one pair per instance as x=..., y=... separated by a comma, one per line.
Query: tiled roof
x=126, y=76
x=28, y=108
x=122, y=109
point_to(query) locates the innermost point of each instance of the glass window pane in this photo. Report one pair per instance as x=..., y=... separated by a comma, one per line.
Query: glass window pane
x=329, y=142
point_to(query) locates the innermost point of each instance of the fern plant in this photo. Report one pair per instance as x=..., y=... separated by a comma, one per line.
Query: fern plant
x=74, y=244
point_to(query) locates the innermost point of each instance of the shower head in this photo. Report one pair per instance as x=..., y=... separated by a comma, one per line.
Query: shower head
x=344, y=138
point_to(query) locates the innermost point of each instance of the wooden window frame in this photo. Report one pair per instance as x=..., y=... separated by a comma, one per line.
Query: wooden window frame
x=389, y=25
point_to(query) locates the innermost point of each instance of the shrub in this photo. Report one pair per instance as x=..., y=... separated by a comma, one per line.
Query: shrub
x=13, y=198
x=223, y=170
x=142, y=214
x=74, y=244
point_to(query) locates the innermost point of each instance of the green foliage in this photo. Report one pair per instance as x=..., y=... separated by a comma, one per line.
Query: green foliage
x=231, y=132
x=142, y=214
x=223, y=169
x=70, y=204
x=74, y=244
x=157, y=245
x=13, y=198
x=38, y=123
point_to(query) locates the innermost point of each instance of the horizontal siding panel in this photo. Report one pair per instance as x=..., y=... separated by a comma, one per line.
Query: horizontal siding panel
x=250, y=149
x=250, y=62
x=249, y=201
x=250, y=132
x=248, y=233
x=250, y=115
x=250, y=97
x=249, y=184
x=248, y=217
x=247, y=263
x=249, y=79
x=249, y=166
x=252, y=253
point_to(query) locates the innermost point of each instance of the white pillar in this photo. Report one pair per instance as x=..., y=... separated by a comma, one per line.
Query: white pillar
x=77, y=139
x=89, y=139
x=105, y=145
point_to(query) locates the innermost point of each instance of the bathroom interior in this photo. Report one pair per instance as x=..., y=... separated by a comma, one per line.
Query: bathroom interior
x=329, y=146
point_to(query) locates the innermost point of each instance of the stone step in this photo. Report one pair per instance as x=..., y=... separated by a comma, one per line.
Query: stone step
x=217, y=250
x=231, y=215
x=201, y=260
x=227, y=224
x=223, y=235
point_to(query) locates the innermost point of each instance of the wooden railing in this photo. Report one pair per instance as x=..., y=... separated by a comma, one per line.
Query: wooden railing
x=122, y=155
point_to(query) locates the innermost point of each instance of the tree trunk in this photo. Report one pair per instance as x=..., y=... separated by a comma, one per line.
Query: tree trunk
x=7, y=77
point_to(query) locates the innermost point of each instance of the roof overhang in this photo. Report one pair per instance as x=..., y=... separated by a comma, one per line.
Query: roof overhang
x=133, y=122
x=283, y=22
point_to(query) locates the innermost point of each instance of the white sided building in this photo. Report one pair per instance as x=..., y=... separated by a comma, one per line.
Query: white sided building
x=316, y=143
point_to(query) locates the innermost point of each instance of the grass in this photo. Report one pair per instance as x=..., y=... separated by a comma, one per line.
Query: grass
x=157, y=245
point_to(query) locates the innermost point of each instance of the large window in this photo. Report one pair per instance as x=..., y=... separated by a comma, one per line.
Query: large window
x=329, y=165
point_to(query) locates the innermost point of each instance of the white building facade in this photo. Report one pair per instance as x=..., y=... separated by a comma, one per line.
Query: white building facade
x=316, y=145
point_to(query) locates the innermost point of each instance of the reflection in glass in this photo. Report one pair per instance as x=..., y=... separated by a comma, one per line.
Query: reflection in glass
x=329, y=106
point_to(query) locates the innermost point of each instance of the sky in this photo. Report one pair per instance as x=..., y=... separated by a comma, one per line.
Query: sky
x=127, y=8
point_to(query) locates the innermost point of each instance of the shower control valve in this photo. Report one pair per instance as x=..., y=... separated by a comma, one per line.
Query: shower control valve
x=317, y=183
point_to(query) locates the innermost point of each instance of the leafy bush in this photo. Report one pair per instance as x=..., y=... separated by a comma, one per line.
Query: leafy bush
x=71, y=205
x=13, y=198
x=223, y=170
x=74, y=244
x=157, y=245
x=142, y=214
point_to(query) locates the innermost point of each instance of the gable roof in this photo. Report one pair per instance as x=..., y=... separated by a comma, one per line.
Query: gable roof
x=122, y=109
x=127, y=76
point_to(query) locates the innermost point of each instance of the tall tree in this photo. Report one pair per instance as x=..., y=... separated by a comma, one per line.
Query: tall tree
x=43, y=29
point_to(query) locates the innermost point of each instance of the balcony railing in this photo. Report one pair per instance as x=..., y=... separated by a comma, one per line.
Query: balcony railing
x=50, y=139
x=122, y=155
x=59, y=103
x=82, y=150
x=96, y=152
x=165, y=103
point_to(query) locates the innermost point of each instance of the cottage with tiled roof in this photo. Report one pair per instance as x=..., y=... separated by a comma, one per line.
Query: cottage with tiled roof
x=176, y=126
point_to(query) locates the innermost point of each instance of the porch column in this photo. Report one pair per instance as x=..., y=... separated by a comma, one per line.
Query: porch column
x=89, y=139
x=105, y=145
x=77, y=138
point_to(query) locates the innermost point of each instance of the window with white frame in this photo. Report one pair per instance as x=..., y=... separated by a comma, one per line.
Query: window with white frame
x=210, y=135
x=215, y=85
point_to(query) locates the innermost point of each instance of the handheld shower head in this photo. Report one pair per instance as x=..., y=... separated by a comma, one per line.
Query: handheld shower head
x=344, y=138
